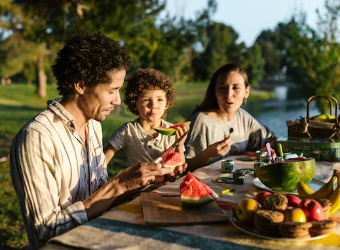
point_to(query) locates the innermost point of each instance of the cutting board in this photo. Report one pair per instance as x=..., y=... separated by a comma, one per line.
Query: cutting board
x=165, y=210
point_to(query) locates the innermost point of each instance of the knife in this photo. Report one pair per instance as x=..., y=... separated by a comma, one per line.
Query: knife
x=170, y=149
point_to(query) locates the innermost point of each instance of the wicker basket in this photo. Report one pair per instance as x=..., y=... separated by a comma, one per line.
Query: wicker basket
x=306, y=127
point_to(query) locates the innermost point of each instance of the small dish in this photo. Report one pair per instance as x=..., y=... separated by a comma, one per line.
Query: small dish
x=315, y=184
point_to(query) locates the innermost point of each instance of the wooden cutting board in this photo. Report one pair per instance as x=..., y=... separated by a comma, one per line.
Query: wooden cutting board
x=165, y=210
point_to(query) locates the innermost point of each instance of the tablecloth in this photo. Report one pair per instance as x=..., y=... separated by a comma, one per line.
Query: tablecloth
x=124, y=227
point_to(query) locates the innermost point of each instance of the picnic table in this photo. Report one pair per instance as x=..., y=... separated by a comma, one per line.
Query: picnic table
x=128, y=226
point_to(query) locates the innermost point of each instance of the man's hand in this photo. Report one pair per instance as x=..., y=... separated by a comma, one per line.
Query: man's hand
x=170, y=177
x=144, y=174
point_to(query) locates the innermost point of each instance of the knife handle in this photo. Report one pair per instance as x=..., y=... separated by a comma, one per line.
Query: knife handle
x=158, y=160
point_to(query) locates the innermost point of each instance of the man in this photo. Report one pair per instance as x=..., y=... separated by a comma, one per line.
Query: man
x=58, y=167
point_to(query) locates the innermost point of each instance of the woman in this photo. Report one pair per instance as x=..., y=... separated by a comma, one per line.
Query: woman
x=219, y=114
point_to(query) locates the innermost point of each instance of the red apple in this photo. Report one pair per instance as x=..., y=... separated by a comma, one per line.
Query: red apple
x=260, y=196
x=293, y=201
x=312, y=209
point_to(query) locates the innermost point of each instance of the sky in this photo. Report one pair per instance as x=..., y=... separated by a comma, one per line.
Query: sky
x=249, y=17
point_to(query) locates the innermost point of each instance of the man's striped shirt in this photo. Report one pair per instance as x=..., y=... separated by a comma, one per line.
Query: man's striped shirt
x=53, y=171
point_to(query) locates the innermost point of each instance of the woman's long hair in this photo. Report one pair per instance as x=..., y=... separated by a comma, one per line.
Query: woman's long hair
x=210, y=101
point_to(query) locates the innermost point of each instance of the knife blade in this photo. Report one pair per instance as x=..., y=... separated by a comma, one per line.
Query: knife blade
x=170, y=149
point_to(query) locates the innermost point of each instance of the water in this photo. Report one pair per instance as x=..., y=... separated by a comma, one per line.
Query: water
x=290, y=104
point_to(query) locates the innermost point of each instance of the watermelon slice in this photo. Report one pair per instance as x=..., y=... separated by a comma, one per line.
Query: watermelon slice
x=170, y=130
x=172, y=160
x=195, y=193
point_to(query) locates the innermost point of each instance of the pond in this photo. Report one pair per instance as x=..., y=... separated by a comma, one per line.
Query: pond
x=290, y=104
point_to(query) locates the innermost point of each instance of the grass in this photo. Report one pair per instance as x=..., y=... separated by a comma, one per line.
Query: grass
x=18, y=104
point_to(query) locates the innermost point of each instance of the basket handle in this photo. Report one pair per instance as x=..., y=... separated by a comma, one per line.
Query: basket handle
x=330, y=99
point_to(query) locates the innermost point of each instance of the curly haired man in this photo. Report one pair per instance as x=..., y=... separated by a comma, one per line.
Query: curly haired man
x=58, y=167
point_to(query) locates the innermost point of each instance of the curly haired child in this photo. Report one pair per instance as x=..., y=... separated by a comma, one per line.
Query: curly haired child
x=148, y=94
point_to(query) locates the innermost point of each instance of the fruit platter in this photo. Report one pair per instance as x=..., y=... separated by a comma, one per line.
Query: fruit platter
x=294, y=217
x=251, y=230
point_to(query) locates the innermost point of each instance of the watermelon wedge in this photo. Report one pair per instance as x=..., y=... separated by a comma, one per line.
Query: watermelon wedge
x=170, y=130
x=172, y=160
x=195, y=193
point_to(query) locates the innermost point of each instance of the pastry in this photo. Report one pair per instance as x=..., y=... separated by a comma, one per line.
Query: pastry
x=322, y=227
x=277, y=202
x=295, y=230
x=326, y=207
x=267, y=222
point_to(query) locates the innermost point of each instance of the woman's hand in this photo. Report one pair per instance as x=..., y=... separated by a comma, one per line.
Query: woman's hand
x=218, y=149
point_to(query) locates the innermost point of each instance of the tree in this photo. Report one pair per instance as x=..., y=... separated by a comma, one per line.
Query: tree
x=221, y=48
x=253, y=63
x=39, y=26
x=312, y=56
x=267, y=41
x=175, y=52
x=132, y=22
x=11, y=56
x=46, y=24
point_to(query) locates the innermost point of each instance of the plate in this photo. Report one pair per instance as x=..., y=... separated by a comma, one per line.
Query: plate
x=250, y=230
x=315, y=184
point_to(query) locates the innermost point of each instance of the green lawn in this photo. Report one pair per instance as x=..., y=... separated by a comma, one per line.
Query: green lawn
x=18, y=104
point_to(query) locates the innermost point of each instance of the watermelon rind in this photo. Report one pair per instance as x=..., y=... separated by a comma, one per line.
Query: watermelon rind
x=284, y=176
x=171, y=130
x=165, y=131
x=189, y=202
x=195, y=193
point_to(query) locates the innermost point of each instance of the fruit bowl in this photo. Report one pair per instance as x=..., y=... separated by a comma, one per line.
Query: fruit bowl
x=284, y=175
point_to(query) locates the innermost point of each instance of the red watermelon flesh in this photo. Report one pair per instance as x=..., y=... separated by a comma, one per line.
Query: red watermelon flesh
x=172, y=160
x=180, y=124
x=194, y=192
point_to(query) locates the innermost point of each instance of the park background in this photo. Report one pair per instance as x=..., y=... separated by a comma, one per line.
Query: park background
x=285, y=65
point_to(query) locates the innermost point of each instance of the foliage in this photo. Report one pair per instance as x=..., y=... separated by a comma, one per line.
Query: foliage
x=267, y=41
x=314, y=56
x=254, y=64
x=182, y=48
x=221, y=48
x=186, y=49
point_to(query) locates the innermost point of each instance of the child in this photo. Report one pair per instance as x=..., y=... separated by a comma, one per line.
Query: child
x=148, y=94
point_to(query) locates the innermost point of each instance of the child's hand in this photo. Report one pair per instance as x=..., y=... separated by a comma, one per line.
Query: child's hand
x=180, y=131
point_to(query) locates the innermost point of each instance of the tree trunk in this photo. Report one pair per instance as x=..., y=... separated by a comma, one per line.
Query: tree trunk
x=41, y=76
x=29, y=82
